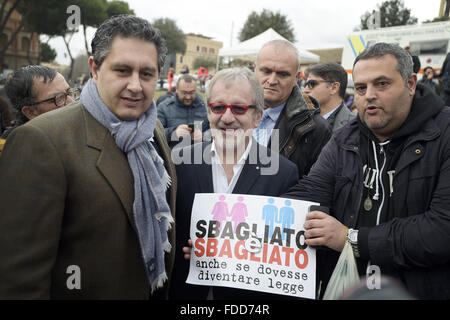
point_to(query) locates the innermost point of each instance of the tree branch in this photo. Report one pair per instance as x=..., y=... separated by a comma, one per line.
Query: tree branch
x=8, y=15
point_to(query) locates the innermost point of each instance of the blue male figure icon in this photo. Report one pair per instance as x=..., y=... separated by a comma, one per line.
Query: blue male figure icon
x=286, y=217
x=269, y=214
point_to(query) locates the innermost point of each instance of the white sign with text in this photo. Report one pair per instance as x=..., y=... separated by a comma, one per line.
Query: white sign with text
x=253, y=243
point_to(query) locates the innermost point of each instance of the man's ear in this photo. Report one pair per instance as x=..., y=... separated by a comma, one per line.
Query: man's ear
x=30, y=112
x=412, y=84
x=94, y=68
x=336, y=86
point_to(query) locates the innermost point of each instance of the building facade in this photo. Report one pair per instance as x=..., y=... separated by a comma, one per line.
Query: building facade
x=197, y=46
x=23, y=50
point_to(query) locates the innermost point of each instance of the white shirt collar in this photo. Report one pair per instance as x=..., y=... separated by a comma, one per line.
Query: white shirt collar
x=242, y=159
x=220, y=180
x=328, y=114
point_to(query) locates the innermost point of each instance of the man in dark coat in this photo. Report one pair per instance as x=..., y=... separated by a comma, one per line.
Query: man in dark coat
x=72, y=188
x=233, y=163
x=291, y=123
x=386, y=179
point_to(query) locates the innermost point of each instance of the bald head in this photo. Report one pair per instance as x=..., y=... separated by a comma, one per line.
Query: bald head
x=277, y=67
x=282, y=46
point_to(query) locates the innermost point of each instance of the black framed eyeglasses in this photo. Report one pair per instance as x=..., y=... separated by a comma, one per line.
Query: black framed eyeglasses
x=60, y=98
x=312, y=83
x=236, y=109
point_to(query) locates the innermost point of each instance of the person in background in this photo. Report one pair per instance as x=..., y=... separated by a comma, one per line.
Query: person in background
x=445, y=76
x=6, y=121
x=34, y=90
x=327, y=83
x=6, y=118
x=170, y=77
x=183, y=114
x=429, y=80
x=290, y=117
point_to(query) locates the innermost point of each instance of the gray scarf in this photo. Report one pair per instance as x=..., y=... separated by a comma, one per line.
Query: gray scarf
x=151, y=212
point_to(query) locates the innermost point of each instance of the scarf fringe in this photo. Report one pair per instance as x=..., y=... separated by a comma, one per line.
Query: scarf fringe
x=167, y=246
x=168, y=217
x=166, y=180
x=159, y=281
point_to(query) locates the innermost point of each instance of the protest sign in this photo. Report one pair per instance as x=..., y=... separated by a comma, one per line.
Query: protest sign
x=253, y=243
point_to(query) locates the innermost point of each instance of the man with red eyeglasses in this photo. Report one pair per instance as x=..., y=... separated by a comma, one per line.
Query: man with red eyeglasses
x=232, y=163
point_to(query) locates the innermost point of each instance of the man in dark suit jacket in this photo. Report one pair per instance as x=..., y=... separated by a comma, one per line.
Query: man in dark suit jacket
x=251, y=169
x=70, y=223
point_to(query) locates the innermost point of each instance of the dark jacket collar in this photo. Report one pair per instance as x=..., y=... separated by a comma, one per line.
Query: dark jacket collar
x=296, y=104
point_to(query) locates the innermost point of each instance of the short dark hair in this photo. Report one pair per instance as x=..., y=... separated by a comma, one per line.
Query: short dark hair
x=331, y=71
x=404, y=59
x=126, y=26
x=20, y=88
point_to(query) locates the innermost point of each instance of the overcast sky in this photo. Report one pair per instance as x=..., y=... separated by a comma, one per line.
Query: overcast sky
x=317, y=23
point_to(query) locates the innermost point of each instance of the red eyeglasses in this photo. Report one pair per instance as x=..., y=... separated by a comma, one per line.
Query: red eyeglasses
x=236, y=109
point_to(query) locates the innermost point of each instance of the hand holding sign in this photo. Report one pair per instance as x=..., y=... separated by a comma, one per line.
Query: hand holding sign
x=187, y=250
x=324, y=230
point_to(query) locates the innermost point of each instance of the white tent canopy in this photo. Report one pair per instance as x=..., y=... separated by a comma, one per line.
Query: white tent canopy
x=248, y=49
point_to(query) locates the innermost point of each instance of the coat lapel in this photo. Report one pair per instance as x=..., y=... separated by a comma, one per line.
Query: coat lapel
x=166, y=154
x=250, y=172
x=204, y=174
x=111, y=162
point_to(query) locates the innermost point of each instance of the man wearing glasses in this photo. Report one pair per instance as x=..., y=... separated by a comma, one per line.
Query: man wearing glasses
x=327, y=83
x=182, y=115
x=290, y=121
x=34, y=90
x=232, y=163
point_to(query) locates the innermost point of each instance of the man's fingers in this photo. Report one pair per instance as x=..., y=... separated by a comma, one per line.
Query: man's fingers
x=314, y=233
x=316, y=215
x=315, y=241
x=187, y=249
x=313, y=223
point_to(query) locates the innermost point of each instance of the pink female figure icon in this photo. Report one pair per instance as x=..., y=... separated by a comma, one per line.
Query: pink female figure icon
x=220, y=211
x=238, y=212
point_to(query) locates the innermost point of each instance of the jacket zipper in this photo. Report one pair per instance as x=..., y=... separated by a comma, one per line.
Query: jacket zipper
x=292, y=130
x=355, y=149
x=380, y=180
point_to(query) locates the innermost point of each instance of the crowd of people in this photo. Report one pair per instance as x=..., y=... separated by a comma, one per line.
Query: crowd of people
x=89, y=179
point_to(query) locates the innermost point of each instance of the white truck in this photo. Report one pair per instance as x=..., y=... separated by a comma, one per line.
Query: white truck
x=429, y=41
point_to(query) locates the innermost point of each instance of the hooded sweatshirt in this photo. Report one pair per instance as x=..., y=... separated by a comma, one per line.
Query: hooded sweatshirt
x=379, y=160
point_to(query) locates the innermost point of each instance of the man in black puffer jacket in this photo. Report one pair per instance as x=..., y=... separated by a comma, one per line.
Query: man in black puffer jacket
x=386, y=179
